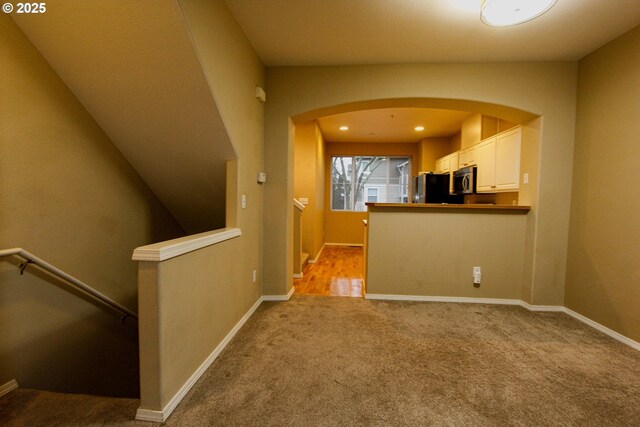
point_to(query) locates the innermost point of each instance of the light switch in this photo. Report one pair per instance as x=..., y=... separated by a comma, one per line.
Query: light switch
x=244, y=201
x=525, y=178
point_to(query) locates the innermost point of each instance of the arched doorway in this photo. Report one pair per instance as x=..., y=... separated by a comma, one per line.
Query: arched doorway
x=325, y=225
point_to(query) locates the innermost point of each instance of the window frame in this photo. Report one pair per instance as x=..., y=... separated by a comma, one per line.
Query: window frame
x=331, y=157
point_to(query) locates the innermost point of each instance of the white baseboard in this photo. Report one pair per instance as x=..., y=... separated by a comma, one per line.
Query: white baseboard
x=549, y=308
x=595, y=325
x=424, y=298
x=160, y=416
x=313, y=261
x=344, y=244
x=8, y=387
x=286, y=297
x=151, y=415
x=298, y=275
x=554, y=308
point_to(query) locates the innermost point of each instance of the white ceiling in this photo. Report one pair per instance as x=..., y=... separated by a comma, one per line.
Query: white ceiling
x=336, y=32
x=391, y=124
x=341, y=32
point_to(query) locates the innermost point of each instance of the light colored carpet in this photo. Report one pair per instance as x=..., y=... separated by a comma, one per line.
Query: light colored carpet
x=325, y=361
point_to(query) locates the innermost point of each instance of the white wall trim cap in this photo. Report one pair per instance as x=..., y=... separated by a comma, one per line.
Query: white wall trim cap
x=8, y=387
x=163, y=251
x=298, y=205
x=161, y=416
x=286, y=297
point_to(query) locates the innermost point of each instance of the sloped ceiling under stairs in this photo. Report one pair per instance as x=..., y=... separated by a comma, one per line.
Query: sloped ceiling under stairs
x=133, y=66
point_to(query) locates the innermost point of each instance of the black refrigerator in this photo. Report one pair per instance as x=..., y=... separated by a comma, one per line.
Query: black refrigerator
x=431, y=188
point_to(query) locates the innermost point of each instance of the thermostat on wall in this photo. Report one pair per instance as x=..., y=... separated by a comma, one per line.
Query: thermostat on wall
x=262, y=177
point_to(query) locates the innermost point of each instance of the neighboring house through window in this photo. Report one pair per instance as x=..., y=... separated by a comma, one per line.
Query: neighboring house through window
x=356, y=180
x=372, y=194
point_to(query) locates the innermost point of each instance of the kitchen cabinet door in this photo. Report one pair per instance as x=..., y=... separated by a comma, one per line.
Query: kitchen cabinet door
x=508, y=160
x=453, y=162
x=453, y=166
x=438, y=166
x=467, y=157
x=442, y=164
x=485, y=154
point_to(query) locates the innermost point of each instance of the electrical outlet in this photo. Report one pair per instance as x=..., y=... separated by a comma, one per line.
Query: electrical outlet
x=244, y=201
x=477, y=275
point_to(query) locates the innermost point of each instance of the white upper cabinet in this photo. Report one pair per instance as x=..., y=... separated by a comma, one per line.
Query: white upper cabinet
x=508, y=160
x=467, y=157
x=453, y=166
x=498, y=160
x=486, y=161
x=448, y=164
x=453, y=162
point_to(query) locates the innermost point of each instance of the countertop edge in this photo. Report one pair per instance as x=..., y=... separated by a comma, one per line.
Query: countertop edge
x=450, y=206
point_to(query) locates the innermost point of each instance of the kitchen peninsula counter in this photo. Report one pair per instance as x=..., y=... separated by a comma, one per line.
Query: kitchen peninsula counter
x=422, y=250
x=444, y=207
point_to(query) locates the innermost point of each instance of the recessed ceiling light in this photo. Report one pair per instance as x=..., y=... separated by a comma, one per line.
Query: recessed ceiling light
x=344, y=128
x=504, y=13
x=419, y=128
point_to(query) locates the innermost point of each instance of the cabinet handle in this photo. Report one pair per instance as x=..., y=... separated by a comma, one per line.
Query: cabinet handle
x=493, y=186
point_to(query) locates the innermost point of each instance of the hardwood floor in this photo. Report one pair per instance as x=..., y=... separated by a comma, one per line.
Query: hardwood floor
x=338, y=272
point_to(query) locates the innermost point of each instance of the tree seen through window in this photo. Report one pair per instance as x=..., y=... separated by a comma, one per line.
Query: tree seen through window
x=359, y=179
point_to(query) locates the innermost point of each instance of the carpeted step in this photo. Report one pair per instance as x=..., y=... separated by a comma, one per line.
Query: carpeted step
x=26, y=407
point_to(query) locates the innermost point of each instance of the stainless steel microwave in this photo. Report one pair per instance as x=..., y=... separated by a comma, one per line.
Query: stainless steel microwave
x=464, y=180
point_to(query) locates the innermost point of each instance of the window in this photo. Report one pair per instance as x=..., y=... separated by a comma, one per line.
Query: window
x=372, y=194
x=356, y=180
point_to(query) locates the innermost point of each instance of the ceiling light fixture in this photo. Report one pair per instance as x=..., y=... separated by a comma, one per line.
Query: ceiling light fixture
x=344, y=128
x=419, y=128
x=504, y=13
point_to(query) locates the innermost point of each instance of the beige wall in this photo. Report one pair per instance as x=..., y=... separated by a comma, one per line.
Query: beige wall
x=527, y=196
x=427, y=252
x=455, y=142
x=471, y=131
x=603, y=280
x=233, y=71
x=321, y=159
x=347, y=227
x=202, y=295
x=547, y=89
x=133, y=67
x=179, y=326
x=476, y=128
x=309, y=182
x=69, y=197
x=430, y=150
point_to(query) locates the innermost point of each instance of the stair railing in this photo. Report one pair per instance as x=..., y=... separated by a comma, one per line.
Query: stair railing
x=76, y=283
